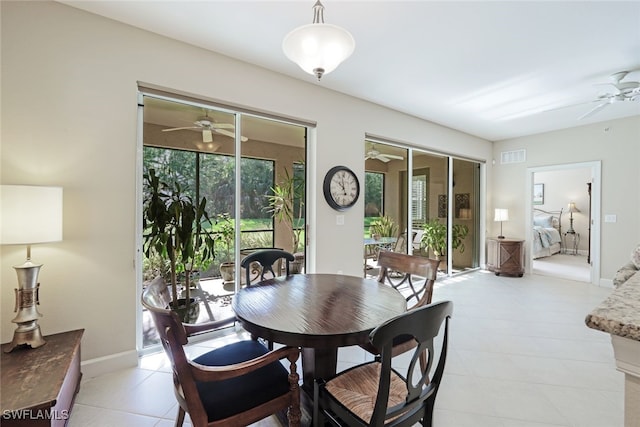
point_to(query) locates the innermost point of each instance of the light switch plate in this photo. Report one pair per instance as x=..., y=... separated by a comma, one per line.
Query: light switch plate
x=339, y=219
x=610, y=218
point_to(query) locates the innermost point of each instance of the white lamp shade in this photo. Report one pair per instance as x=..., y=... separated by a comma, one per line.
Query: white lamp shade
x=572, y=207
x=318, y=46
x=501, y=215
x=30, y=214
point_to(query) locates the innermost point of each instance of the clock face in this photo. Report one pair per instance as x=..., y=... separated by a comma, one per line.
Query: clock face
x=341, y=188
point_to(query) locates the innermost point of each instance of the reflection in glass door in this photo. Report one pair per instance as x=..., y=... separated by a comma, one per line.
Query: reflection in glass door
x=466, y=203
x=434, y=196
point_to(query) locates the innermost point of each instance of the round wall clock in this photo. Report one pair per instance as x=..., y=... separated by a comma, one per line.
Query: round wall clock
x=341, y=188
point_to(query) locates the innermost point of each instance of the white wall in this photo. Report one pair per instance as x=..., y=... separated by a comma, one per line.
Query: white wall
x=617, y=144
x=69, y=118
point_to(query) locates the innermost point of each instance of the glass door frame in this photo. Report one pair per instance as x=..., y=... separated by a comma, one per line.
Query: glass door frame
x=478, y=239
x=239, y=113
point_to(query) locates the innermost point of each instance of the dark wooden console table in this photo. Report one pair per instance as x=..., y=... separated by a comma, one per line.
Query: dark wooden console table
x=39, y=385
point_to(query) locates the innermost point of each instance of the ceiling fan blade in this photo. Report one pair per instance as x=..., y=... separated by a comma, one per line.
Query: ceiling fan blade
x=368, y=157
x=383, y=158
x=393, y=156
x=594, y=110
x=206, y=135
x=222, y=126
x=231, y=134
x=183, y=128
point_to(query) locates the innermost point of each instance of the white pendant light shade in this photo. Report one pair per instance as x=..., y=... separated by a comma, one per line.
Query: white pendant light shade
x=318, y=48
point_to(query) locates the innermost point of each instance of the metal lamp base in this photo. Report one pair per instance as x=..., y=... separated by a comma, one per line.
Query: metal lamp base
x=27, y=299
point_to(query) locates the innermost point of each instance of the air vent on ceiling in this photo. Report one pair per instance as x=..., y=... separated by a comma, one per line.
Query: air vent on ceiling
x=515, y=156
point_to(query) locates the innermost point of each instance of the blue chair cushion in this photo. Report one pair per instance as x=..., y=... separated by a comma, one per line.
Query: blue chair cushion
x=222, y=399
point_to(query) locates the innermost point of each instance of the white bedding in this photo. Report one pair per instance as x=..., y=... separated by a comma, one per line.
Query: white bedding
x=546, y=241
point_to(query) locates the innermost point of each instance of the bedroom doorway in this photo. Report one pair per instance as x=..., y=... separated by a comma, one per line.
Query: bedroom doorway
x=564, y=221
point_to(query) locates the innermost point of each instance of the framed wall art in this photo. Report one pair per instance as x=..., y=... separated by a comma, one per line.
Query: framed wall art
x=538, y=194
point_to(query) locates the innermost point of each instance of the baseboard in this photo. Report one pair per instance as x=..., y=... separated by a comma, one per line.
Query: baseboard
x=605, y=283
x=111, y=363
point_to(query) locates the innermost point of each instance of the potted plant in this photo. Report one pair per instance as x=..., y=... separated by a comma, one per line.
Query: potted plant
x=435, y=237
x=226, y=231
x=383, y=227
x=286, y=206
x=176, y=228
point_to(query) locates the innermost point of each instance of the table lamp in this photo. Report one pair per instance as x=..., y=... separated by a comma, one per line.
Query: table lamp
x=572, y=209
x=501, y=215
x=30, y=215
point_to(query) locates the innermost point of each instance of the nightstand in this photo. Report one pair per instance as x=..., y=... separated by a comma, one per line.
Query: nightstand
x=505, y=256
x=571, y=242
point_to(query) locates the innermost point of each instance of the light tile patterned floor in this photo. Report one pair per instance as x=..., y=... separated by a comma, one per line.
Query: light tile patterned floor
x=520, y=356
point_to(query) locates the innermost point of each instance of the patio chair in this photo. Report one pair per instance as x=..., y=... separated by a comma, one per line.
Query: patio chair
x=234, y=385
x=374, y=393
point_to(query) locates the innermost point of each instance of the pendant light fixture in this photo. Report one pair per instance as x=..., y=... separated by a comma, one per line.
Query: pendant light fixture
x=318, y=48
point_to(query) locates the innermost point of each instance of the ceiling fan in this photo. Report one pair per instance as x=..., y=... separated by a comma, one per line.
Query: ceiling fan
x=208, y=126
x=376, y=155
x=622, y=92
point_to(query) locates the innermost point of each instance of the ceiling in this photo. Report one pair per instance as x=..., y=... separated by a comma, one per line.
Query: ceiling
x=496, y=70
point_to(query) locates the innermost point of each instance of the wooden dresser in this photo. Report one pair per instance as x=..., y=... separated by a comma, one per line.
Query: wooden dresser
x=505, y=256
x=39, y=385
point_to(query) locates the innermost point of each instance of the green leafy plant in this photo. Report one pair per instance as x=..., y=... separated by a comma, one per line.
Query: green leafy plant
x=384, y=226
x=176, y=228
x=435, y=237
x=288, y=193
x=226, y=230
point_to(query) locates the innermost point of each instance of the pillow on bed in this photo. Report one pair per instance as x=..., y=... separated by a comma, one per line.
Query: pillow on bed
x=635, y=257
x=545, y=221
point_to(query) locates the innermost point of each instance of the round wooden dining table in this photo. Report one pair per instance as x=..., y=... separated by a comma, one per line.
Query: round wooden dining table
x=318, y=312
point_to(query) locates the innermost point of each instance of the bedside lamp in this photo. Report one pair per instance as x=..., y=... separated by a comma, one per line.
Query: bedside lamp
x=30, y=215
x=572, y=209
x=501, y=215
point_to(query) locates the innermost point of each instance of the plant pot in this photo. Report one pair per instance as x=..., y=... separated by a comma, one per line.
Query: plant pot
x=187, y=312
x=228, y=271
x=297, y=265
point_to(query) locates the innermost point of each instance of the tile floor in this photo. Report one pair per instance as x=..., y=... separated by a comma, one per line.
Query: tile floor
x=520, y=356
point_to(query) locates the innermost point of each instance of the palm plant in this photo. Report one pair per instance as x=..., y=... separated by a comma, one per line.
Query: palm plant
x=286, y=205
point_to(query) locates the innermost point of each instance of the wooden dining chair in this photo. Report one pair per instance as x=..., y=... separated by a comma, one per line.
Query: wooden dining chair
x=234, y=385
x=377, y=394
x=261, y=262
x=414, y=277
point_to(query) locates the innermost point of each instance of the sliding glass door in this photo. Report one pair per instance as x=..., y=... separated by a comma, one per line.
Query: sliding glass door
x=238, y=167
x=432, y=199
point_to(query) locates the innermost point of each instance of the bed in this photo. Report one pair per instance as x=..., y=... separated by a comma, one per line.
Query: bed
x=547, y=232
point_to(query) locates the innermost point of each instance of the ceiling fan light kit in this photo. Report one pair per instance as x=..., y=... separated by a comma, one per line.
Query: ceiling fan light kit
x=318, y=48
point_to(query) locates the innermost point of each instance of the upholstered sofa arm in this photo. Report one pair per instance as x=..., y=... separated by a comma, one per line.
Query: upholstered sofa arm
x=624, y=273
